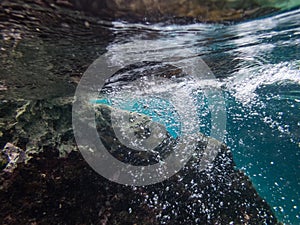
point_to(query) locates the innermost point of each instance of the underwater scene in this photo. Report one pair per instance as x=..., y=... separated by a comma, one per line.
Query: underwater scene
x=147, y=112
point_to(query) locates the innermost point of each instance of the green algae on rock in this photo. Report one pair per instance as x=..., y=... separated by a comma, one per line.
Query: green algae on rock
x=38, y=125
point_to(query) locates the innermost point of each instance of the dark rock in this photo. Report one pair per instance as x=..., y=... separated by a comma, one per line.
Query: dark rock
x=194, y=10
x=38, y=125
x=53, y=190
x=180, y=11
x=218, y=195
x=3, y=160
x=50, y=189
x=143, y=127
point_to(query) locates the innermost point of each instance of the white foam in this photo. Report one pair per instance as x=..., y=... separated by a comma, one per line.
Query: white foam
x=245, y=82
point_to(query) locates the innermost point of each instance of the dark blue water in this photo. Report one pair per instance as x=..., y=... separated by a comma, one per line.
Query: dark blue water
x=265, y=143
x=257, y=65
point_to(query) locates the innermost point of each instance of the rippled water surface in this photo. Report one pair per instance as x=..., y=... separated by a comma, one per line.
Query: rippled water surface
x=255, y=63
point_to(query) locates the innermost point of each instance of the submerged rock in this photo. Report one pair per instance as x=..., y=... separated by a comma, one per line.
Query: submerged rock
x=53, y=190
x=203, y=10
x=70, y=192
x=3, y=160
x=219, y=194
x=38, y=125
x=142, y=127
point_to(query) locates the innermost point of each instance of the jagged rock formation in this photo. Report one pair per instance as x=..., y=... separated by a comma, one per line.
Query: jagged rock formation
x=70, y=192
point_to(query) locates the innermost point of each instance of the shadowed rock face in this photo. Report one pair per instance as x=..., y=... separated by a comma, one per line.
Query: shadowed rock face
x=171, y=10
x=200, y=10
x=70, y=192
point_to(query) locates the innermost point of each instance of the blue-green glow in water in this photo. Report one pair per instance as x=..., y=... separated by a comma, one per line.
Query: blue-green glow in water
x=257, y=63
x=264, y=139
x=162, y=111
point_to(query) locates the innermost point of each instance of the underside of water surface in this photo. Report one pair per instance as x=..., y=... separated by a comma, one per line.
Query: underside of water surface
x=249, y=51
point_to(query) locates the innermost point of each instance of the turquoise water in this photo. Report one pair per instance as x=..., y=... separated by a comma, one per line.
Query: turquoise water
x=257, y=65
x=264, y=139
